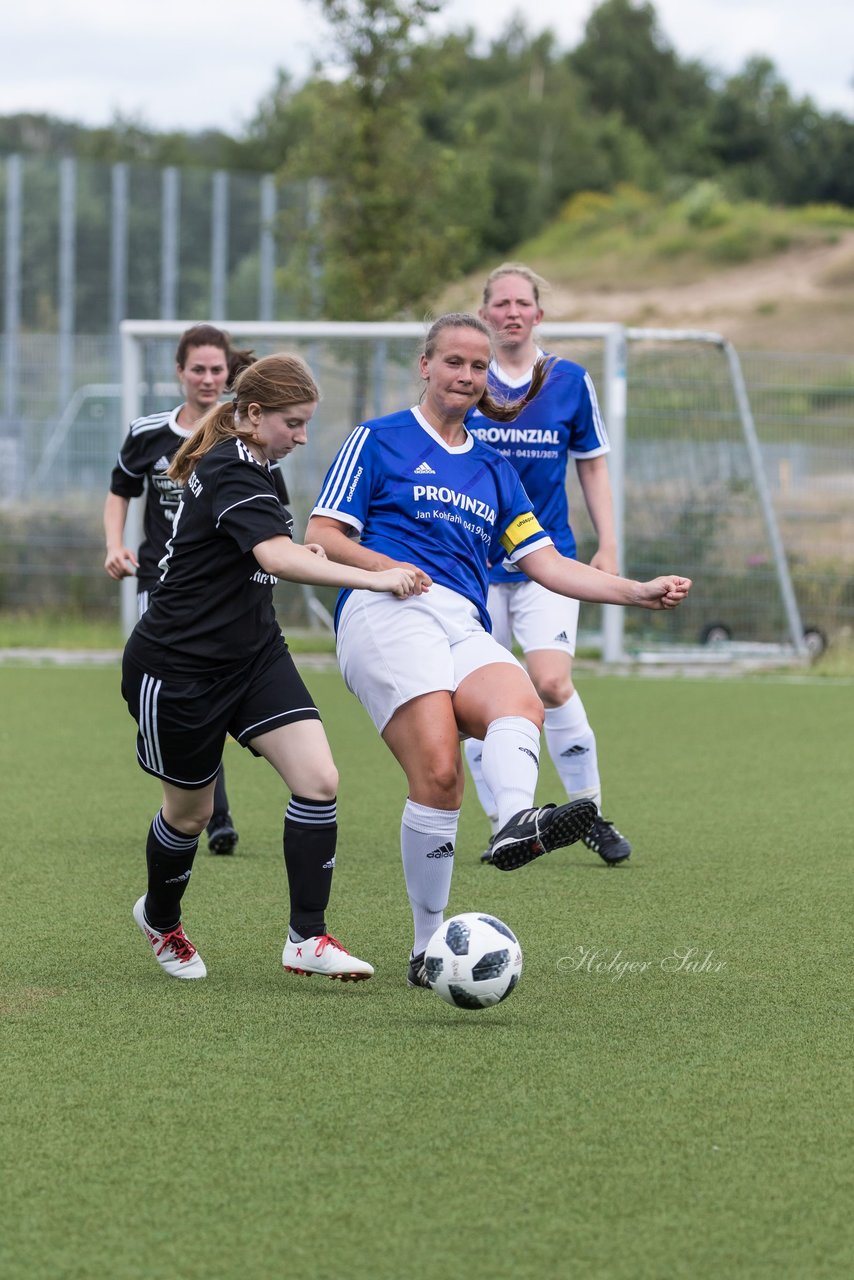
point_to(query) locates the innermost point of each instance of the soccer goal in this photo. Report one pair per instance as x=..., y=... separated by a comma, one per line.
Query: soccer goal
x=691, y=494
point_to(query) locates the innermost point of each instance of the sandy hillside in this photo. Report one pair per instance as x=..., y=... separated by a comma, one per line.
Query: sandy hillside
x=801, y=300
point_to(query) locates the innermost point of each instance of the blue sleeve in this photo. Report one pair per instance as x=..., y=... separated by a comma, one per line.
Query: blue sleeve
x=346, y=492
x=588, y=436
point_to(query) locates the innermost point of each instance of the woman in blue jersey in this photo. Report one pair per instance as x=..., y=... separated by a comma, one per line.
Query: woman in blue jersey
x=416, y=488
x=205, y=363
x=563, y=425
x=207, y=658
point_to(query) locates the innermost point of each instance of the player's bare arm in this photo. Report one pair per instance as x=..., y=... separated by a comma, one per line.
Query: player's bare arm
x=284, y=558
x=336, y=538
x=596, y=487
x=581, y=581
x=120, y=561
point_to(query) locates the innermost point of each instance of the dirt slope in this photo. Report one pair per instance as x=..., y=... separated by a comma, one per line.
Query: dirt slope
x=800, y=300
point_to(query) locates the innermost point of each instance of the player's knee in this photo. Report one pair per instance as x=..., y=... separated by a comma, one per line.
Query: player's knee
x=442, y=783
x=555, y=689
x=531, y=708
x=195, y=814
x=325, y=783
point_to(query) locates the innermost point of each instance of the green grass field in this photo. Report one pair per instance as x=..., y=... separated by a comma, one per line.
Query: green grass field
x=663, y=1123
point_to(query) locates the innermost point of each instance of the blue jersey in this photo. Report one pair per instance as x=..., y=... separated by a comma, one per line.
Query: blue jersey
x=414, y=498
x=561, y=422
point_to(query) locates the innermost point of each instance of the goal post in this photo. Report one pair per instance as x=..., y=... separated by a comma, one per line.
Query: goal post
x=689, y=488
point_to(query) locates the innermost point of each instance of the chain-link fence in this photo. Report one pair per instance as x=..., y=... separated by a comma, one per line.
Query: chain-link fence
x=85, y=245
x=690, y=494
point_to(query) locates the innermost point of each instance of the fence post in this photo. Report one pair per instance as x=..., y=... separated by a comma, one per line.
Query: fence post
x=219, y=244
x=66, y=293
x=12, y=286
x=170, y=217
x=267, y=248
x=118, y=252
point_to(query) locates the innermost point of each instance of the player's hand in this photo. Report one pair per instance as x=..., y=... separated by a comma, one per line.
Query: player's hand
x=399, y=582
x=605, y=561
x=121, y=563
x=664, y=593
x=423, y=581
x=316, y=549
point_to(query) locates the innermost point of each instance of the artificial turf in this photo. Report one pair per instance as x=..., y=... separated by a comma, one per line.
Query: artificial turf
x=669, y=1091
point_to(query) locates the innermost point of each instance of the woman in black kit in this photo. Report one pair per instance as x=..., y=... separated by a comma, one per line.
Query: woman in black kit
x=205, y=364
x=207, y=658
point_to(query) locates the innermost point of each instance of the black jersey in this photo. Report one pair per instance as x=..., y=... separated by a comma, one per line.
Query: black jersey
x=213, y=606
x=144, y=458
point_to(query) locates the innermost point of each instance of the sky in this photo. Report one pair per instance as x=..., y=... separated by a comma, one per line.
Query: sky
x=200, y=64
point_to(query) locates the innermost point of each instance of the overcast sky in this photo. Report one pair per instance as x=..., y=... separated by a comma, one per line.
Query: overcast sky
x=192, y=65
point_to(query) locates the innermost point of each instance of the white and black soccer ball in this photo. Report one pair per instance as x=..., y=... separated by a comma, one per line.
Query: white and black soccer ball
x=473, y=960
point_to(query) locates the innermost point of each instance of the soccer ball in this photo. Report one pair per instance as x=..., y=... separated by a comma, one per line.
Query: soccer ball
x=473, y=960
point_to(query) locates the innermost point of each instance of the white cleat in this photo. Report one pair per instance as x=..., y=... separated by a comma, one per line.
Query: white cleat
x=173, y=951
x=326, y=956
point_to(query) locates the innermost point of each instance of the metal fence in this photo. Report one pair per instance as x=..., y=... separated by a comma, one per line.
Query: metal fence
x=690, y=497
x=85, y=245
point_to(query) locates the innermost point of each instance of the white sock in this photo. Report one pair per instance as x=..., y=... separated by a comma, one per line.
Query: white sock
x=427, y=846
x=473, y=748
x=510, y=762
x=572, y=747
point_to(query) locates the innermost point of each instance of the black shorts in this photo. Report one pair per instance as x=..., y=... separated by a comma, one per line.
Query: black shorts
x=183, y=720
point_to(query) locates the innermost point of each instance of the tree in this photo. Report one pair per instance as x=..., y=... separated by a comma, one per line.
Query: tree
x=399, y=212
x=628, y=66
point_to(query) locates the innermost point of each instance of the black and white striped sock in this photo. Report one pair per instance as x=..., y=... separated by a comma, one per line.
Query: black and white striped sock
x=310, y=837
x=169, y=855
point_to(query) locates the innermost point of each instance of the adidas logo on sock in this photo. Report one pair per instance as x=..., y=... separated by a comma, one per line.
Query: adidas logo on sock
x=528, y=752
x=424, y=470
x=444, y=851
x=574, y=751
x=181, y=879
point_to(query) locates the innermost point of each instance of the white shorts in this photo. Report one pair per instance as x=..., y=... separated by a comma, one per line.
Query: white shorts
x=536, y=617
x=391, y=651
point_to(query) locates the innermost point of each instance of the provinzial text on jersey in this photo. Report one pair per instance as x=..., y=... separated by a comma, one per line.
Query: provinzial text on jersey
x=439, y=493
x=515, y=435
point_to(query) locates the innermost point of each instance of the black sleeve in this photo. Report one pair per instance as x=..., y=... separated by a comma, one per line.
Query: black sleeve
x=281, y=487
x=245, y=504
x=128, y=475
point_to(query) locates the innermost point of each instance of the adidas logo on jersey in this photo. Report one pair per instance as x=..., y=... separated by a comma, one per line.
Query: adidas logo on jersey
x=424, y=469
x=562, y=638
x=162, y=463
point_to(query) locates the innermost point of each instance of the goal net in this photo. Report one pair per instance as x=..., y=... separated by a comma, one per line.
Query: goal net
x=687, y=472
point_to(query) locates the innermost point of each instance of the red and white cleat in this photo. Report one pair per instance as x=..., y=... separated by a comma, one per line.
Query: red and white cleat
x=326, y=956
x=173, y=951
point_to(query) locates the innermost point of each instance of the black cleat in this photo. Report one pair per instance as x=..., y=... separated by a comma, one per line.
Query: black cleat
x=533, y=832
x=416, y=974
x=604, y=838
x=486, y=856
x=222, y=837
